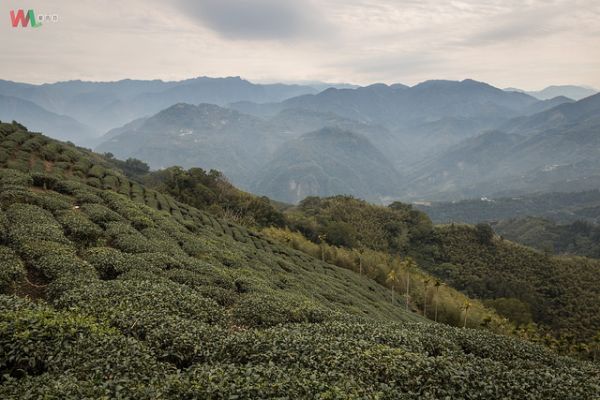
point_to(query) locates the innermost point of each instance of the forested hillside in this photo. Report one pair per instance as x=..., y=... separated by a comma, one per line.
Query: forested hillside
x=113, y=290
x=560, y=292
x=578, y=238
x=558, y=207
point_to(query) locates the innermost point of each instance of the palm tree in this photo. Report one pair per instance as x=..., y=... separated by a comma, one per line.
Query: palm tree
x=437, y=285
x=322, y=245
x=409, y=265
x=426, y=284
x=466, y=306
x=392, y=278
x=361, y=251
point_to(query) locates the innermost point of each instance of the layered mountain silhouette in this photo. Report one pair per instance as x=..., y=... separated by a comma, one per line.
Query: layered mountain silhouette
x=570, y=91
x=436, y=140
x=258, y=154
x=38, y=118
x=107, y=105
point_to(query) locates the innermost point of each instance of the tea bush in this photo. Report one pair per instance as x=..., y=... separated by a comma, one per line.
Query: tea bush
x=12, y=270
x=78, y=227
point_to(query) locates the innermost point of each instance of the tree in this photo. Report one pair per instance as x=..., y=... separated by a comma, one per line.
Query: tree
x=425, y=290
x=392, y=279
x=360, y=252
x=437, y=285
x=322, y=238
x=466, y=307
x=409, y=265
x=484, y=233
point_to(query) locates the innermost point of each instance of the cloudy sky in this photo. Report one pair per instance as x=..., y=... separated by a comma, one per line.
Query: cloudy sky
x=527, y=44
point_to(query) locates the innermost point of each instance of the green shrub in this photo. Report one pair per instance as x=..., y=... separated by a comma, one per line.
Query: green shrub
x=127, y=239
x=10, y=177
x=33, y=249
x=127, y=209
x=12, y=270
x=50, y=201
x=154, y=260
x=110, y=182
x=100, y=214
x=259, y=309
x=3, y=228
x=4, y=156
x=78, y=227
x=29, y=222
x=123, y=301
x=96, y=171
x=94, y=182
x=109, y=262
x=86, y=196
x=53, y=266
x=63, y=355
x=45, y=181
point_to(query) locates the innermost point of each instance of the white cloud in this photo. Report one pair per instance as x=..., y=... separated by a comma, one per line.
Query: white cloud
x=527, y=44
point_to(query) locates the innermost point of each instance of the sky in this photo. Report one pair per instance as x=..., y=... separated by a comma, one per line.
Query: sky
x=528, y=44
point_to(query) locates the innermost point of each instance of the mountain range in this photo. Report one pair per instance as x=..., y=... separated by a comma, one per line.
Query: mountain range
x=437, y=140
x=555, y=150
x=106, y=105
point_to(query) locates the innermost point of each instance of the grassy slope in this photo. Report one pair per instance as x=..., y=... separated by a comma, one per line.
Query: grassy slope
x=140, y=296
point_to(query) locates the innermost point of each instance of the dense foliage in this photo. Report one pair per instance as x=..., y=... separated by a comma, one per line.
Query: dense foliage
x=212, y=192
x=350, y=222
x=558, y=207
x=578, y=238
x=560, y=292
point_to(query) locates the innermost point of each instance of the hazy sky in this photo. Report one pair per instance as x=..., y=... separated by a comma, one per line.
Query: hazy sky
x=526, y=44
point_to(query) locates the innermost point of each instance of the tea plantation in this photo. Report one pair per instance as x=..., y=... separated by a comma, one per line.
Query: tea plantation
x=110, y=290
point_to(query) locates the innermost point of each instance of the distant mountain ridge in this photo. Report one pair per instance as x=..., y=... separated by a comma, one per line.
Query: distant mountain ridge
x=571, y=91
x=206, y=136
x=106, y=105
x=555, y=150
x=37, y=118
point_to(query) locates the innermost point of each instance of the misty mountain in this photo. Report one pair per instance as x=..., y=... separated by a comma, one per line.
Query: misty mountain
x=424, y=119
x=300, y=121
x=39, y=119
x=569, y=91
x=206, y=136
x=544, y=105
x=400, y=105
x=244, y=147
x=106, y=105
x=327, y=162
x=556, y=150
